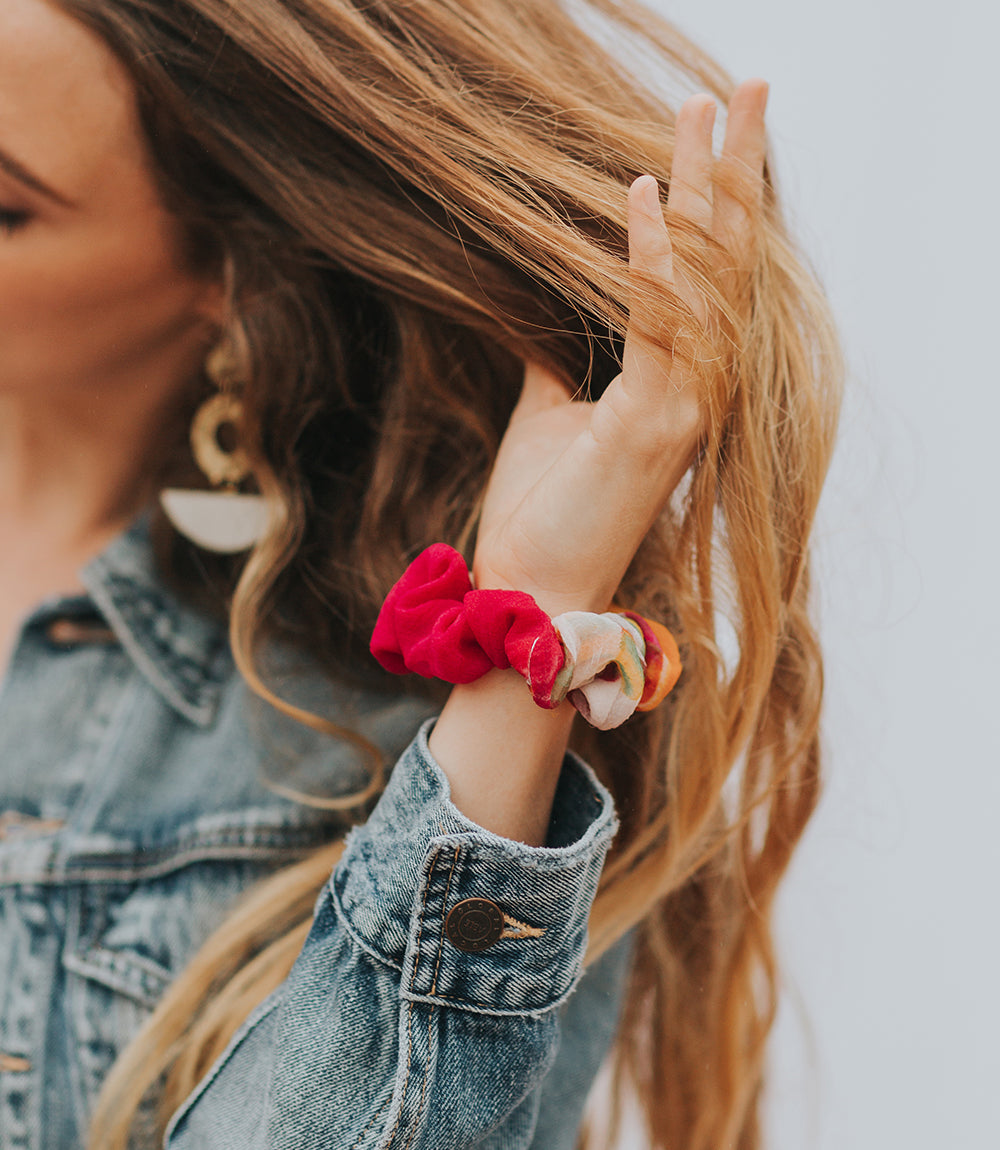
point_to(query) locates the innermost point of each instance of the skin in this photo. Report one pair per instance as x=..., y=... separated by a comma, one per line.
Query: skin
x=102, y=327
x=576, y=486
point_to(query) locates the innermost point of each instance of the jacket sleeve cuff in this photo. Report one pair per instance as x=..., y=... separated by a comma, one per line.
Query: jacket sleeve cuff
x=517, y=949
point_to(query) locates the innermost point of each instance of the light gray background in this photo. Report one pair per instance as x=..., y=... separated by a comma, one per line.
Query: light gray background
x=883, y=121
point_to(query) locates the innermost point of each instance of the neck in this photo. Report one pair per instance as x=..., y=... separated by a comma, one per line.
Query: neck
x=75, y=468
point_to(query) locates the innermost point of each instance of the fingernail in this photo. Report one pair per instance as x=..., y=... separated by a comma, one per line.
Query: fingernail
x=651, y=196
x=708, y=117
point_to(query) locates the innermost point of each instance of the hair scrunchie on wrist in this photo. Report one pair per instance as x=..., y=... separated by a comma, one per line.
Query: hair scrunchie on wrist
x=434, y=623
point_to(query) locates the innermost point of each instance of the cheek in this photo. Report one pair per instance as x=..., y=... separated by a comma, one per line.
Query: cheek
x=87, y=307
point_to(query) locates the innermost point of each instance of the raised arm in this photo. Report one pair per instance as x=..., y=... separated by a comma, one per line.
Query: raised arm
x=577, y=485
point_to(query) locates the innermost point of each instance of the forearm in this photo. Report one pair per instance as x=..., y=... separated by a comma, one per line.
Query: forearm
x=502, y=755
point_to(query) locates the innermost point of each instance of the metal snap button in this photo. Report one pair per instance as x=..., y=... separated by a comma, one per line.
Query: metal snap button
x=474, y=924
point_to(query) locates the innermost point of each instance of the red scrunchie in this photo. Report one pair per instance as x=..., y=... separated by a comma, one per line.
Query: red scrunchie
x=434, y=624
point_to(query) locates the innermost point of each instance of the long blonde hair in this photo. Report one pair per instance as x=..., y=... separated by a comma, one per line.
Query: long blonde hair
x=414, y=199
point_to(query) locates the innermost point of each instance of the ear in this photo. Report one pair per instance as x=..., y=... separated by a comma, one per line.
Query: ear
x=218, y=294
x=213, y=304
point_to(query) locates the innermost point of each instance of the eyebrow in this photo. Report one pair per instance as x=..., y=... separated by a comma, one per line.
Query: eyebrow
x=16, y=169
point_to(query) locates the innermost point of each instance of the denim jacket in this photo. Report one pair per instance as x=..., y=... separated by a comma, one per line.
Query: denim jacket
x=438, y=1001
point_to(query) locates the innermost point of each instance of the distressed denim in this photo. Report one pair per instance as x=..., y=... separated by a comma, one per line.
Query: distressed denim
x=134, y=811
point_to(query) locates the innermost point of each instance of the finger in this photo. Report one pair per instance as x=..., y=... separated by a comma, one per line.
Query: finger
x=690, y=192
x=650, y=253
x=740, y=171
x=649, y=247
x=640, y=398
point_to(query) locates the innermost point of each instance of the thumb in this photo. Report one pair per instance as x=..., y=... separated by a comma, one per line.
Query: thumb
x=542, y=389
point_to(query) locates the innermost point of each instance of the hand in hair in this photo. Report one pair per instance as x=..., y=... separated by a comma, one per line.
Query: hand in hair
x=577, y=485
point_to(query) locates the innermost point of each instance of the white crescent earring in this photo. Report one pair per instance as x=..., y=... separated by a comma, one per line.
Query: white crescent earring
x=221, y=520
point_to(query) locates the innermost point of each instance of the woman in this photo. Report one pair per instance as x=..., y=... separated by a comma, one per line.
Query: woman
x=421, y=251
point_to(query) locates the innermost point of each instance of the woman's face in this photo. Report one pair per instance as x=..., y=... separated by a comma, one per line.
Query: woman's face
x=93, y=291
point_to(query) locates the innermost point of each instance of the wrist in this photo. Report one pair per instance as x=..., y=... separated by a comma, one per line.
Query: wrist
x=553, y=601
x=502, y=754
x=608, y=664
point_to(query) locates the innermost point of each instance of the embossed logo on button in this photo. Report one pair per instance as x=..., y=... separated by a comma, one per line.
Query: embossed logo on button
x=474, y=924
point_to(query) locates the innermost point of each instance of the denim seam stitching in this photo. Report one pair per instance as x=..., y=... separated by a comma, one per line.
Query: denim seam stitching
x=447, y=891
x=423, y=912
x=423, y=1087
x=490, y=1010
x=69, y=870
x=371, y=1121
x=409, y=1013
x=353, y=935
x=406, y=1079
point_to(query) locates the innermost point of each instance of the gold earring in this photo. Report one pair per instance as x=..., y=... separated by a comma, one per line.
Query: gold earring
x=221, y=520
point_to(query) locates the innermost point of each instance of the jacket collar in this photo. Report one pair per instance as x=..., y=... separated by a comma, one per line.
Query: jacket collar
x=182, y=653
